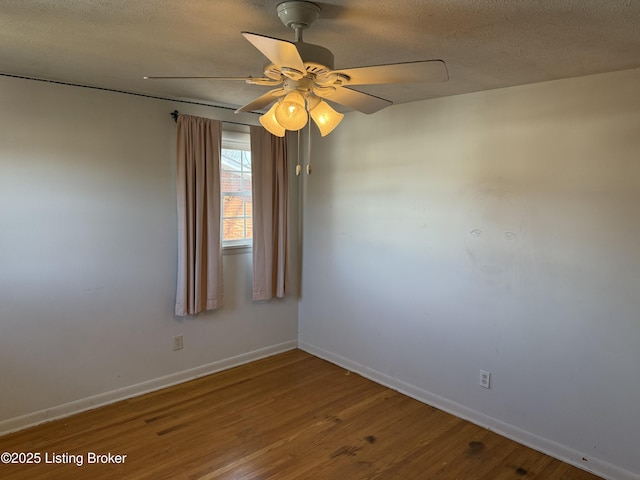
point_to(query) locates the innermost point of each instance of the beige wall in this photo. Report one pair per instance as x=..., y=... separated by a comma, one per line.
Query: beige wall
x=497, y=231
x=88, y=256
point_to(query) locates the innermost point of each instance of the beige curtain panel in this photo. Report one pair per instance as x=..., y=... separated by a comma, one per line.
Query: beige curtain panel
x=270, y=180
x=199, y=283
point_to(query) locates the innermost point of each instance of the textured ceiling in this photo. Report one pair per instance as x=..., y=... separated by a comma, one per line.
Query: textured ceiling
x=486, y=43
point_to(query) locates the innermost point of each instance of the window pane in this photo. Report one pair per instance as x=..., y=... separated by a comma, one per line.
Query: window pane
x=233, y=206
x=246, y=183
x=235, y=176
x=249, y=228
x=230, y=181
x=246, y=161
x=233, y=229
x=231, y=159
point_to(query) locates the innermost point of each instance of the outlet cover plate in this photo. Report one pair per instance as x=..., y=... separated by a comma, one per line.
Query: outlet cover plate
x=485, y=379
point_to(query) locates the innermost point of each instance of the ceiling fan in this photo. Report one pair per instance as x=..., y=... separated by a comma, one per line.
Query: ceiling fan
x=304, y=77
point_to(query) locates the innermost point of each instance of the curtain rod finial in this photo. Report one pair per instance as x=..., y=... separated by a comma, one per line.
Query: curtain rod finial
x=175, y=114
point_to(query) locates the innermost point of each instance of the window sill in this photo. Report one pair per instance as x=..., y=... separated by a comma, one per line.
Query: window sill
x=236, y=249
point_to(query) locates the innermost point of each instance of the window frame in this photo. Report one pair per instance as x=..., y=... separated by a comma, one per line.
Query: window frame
x=235, y=140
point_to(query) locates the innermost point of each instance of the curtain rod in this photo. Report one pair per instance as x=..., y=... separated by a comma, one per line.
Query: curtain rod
x=105, y=89
x=175, y=114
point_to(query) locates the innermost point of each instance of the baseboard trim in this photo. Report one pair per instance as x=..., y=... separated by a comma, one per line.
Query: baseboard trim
x=102, y=399
x=549, y=447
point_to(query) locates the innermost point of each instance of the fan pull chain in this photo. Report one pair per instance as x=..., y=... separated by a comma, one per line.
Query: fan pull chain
x=298, y=166
x=309, y=151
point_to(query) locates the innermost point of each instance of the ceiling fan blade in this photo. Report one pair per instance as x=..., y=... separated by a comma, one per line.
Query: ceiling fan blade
x=362, y=102
x=262, y=101
x=251, y=80
x=246, y=79
x=409, y=72
x=280, y=52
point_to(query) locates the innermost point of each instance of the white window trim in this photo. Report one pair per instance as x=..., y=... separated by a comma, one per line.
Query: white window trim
x=236, y=249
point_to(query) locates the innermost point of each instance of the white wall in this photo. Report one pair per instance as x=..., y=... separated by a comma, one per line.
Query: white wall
x=498, y=231
x=88, y=256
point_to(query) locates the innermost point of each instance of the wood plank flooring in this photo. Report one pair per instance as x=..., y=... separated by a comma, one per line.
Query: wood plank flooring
x=290, y=416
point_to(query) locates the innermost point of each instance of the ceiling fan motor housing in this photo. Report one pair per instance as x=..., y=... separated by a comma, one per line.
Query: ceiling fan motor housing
x=317, y=59
x=318, y=62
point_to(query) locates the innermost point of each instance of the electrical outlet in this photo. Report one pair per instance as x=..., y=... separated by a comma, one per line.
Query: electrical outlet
x=485, y=379
x=177, y=343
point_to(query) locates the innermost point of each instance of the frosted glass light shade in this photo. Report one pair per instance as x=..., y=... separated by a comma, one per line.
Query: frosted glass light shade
x=325, y=117
x=291, y=112
x=269, y=122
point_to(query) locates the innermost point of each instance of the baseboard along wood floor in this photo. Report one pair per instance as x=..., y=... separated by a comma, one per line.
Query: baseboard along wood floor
x=289, y=416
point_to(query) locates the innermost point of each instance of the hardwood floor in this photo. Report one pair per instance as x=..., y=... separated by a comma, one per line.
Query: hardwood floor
x=290, y=416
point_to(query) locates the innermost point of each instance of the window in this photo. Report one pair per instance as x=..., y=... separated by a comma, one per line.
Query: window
x=235, y=188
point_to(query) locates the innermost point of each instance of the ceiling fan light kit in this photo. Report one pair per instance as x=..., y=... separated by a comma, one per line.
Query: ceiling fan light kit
x=269, y=122
x=325, y=117
x=291, y=112
x=304, y=76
